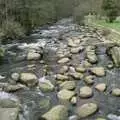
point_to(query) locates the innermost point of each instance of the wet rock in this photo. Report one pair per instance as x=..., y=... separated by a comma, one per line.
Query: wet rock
x=87, y=110
x=74, y=100
x=116, y=92
x=29, y=79
x=64, y=69
x=91, y=55
x=69, y=85
x=61, y=77
x=15, y=76
x=33, y=56
x=101, y=87
x=99, y=71
x=58, y=112
x=65, y=94
x=71, y=43
x=87, y=64
x=76, y=50
x=115, y=54
x=46, y=86
x=80, y=69
x=63, y=53
x=76, y=75
x=63, y=60
x=86, y=92
x=14, y=88
x=9, y=113
x=89, y=79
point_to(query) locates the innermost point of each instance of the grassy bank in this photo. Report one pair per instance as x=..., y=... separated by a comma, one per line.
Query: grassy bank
x=115, y=25
x=113, y=28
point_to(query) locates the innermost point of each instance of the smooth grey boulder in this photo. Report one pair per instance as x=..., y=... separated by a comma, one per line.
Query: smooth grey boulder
x=114, y=52
x=9, y=113
x=58, y=112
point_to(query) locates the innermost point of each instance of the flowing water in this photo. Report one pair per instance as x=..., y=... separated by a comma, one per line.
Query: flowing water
x=51, y=39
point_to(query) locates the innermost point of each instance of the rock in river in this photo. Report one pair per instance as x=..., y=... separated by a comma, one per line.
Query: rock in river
x=63, y=60
x=13, y=88
x=116, y=92
x=86, y=92
x=98, y=71
x=69, y=85
x=87, y=110
x=9, y=113
x=33, y=56
x=61, y=77
x=89, y=79
x=46, y=86
x=101, y=87
x=115, y=54
x=29, y=79
x=91, y=55
x=76, y=75
x=58, y=112
x=65, y=94
x=76, y=50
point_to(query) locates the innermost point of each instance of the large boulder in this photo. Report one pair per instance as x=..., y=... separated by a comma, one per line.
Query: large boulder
x=86, y=110
x=29, y=79
x=13, y=88
x=61, y=77
x=91, y=55
x=63, y=60
x=89, y=80
x=33, y=56
x=101, y=87
x=114, y=52
x=86, y=92
x=76, y=50
x=98, y=71
x=46, y=86
x=9, y=113
x=65, y=94
x=64, y=69
x=76, y=75
x=116, y=92
x=58, y=112
x=69, y=85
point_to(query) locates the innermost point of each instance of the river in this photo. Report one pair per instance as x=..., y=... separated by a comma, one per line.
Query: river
x=50, y=40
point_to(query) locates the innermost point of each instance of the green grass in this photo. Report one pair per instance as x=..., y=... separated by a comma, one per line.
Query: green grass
x=115, y=25
x=114, y=35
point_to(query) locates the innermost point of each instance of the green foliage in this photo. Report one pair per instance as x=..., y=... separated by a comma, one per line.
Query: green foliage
x=110, y=9
x=11, y=29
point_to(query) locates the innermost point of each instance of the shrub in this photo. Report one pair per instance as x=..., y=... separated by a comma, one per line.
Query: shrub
x=11, y=29
x=110, y=9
